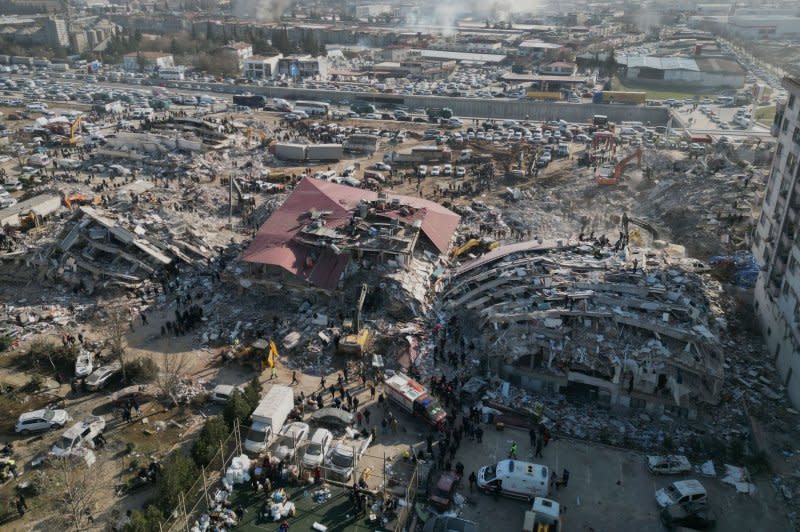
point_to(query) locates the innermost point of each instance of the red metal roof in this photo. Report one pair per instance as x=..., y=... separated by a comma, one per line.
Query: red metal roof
x=275, y=242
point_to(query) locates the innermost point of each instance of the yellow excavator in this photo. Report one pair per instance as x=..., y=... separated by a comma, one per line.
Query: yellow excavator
x=478, y=245
x=357, y=341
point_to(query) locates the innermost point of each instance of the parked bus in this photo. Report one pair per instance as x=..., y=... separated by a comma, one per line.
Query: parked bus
x=313, y=108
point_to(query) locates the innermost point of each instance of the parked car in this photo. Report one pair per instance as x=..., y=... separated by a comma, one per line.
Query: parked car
x=41, y=420
x=222, y=392
x=682, y=492
x=332, y=417
x=443, y=489
x=317, y=448
x=343, y=457
x=100, y=377
x=75, y=436
x=668, y=464
x=290, y=438
x=84, y=364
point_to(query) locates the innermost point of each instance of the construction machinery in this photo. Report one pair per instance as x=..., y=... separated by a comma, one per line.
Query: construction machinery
x=634, y=236
x=356, y=342
x=476, y=245
x=608, y=174
x=71, y=200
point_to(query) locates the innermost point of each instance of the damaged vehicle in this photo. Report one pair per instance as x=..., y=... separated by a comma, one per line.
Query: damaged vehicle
x=671, y=464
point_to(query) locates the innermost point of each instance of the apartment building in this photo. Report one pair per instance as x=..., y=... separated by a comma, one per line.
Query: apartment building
x=777, y=247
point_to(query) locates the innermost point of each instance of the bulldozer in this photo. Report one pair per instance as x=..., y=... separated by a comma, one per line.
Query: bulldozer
x=476, y=245
x=358, y=338
x=71, y=200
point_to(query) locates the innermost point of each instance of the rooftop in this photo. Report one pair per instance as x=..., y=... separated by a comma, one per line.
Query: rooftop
x=310, y=234
x=659, y=63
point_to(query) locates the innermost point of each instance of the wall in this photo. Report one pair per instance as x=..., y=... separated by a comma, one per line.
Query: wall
x=488, y=108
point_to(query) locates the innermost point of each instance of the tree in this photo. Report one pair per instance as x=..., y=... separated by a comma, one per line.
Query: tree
x=116, y=327
x=145, y=520
x=252, y=392
x=178, y=474
x=77, y=493
x=235, y=409
x=169, y=379
x=207, y=443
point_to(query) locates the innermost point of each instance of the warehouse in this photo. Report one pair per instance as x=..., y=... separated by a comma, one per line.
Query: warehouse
x=677, y=71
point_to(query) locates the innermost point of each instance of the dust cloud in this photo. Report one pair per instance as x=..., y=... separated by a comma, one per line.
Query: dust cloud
x=262, y=10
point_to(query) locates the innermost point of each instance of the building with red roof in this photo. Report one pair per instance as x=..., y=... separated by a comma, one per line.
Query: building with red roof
x=322, y=226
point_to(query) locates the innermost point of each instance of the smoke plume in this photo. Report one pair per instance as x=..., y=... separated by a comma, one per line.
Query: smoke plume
x=262, y=10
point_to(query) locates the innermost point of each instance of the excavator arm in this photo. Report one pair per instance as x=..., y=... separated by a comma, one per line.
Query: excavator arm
x=621, y=165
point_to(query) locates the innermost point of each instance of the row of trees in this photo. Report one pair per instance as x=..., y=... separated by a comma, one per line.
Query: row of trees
x=180, y=472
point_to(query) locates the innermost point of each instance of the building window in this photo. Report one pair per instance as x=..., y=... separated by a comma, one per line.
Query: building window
x=791, y=102
x=791, y=161
x=785, y=125
x=796, y=135
x=779, y=150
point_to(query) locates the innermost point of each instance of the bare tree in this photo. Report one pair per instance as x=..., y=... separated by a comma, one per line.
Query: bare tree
x=77, y=493
x=173, y=368
x=116, y=327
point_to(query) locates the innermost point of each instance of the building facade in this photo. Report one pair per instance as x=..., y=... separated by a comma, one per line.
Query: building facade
x=261, y=67
x=239, y=51
x=776, y=247
x=146, y=61
x=304, y=66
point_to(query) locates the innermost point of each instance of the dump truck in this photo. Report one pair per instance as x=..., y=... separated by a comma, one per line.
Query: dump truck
x=415, y=399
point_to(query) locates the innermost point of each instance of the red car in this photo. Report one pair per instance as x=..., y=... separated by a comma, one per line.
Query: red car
x=442, y=493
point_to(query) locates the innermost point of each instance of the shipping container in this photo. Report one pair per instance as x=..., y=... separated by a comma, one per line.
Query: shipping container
x=324, y=152
x=290, y=152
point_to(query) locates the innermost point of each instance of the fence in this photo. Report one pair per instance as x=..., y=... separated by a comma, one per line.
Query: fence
x=202, y=491
x=407, y=511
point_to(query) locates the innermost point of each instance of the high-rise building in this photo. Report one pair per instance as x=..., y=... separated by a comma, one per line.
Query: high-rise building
x=777, y=247
x=55, y=32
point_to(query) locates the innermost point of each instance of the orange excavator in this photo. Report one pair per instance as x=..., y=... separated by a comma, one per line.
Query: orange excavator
x=73, y=200
x=609, y=174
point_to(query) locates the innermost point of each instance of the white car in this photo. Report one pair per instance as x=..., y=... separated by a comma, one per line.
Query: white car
x=84, y=364
x=344, y=456
x=41, y=420
x=435, y=171
x=448, y=169
x=81, y=432
x=461, y=171
x=382, y=166
x=668, y=464
x=317, y=448
x=422, y=170
x=290, y=438
x=4, y=159
x=100, y=377
x=222, y=392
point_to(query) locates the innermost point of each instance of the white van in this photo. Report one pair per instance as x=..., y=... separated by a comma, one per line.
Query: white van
x=515, y=478
x=682, y=492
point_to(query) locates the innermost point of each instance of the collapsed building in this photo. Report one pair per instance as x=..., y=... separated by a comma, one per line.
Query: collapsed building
x=325, y=233
x=568, y=319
